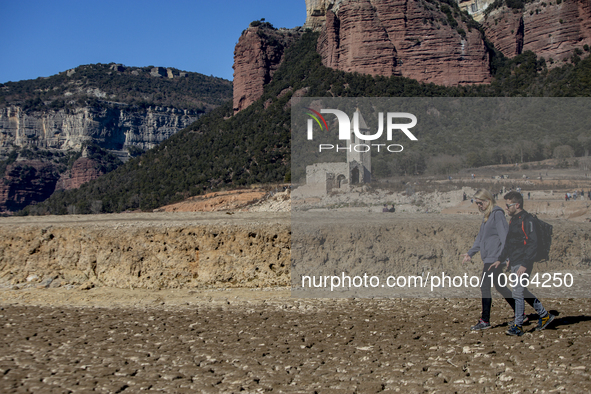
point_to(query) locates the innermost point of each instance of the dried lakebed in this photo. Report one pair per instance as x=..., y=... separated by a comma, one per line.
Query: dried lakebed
x=57, y=340
x=167, y=329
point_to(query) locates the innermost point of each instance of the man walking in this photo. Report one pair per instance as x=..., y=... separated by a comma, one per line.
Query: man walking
x=520, y=249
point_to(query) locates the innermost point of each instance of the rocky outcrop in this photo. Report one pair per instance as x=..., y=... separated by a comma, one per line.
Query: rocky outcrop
x=25, y=182
x=316, y=12
x=551, y=30
x=83, y=170
x=111, y=126
x=425, y=41
x=413, y=39
x=356, y=41
x=256, y=58
x=476, y=8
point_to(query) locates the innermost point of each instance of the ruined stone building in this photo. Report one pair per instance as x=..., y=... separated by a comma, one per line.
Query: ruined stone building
x=324, y=178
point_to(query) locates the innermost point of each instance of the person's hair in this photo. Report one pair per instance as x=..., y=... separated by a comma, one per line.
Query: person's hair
x=483, y=194
x=514, y=197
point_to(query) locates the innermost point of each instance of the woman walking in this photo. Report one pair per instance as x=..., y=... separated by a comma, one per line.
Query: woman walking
x=489, y=242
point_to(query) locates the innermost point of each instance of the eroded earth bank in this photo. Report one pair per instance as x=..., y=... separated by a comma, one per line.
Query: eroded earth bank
x=196, y=250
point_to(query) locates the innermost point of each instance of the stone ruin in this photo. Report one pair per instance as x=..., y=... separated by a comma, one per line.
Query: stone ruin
x=325, y=178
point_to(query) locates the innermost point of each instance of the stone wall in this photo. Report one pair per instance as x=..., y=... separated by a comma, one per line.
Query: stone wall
x=316, y=173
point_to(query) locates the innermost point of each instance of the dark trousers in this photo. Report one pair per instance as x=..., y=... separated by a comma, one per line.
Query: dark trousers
x=503, y=291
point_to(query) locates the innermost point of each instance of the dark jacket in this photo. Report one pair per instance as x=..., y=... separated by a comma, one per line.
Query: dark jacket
x=491, y=237
x=521, y=243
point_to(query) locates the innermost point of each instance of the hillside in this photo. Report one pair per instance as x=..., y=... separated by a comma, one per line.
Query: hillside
x=46, y=123
x=93, y=84
x=223, y=150
x=110, y=105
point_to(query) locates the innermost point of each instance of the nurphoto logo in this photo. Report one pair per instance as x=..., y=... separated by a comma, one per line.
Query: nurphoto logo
x=361, y=133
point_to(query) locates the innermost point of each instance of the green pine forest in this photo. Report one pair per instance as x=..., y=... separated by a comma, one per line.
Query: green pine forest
x=222, y=150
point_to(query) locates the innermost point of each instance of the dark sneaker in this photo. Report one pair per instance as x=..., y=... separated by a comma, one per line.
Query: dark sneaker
x=544, y=321
x=515, y=331
x=482, y=325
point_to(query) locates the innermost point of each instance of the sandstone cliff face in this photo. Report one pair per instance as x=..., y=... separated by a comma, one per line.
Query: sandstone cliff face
x=256, y=58
x=378, y=37
x=83, y=170
x=25, y=182
x=356, y=41
x=409, y=38
x=550, y=30
x=112, y=127
x=415, y=39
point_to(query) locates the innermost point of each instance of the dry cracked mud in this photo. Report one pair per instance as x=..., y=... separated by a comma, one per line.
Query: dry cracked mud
x=177, y=341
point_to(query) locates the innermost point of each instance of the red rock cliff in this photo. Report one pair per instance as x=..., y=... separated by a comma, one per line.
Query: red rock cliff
x=414, y=39
x=550, y=30
x=25, y=182
x=84, y=170
x=256, y=57
x=404, y=37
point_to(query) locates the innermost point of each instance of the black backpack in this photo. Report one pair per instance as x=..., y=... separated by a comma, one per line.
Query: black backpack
x=544, y=233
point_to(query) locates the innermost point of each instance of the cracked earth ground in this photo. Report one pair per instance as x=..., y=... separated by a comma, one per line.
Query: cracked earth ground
x=114, y=340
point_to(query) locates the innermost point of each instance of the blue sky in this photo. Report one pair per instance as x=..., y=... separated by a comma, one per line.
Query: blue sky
x=40, y=38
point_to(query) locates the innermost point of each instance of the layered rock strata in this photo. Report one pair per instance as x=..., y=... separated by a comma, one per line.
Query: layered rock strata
x=378, y=37
x=257, y=56
x=551, y=30
x=113, y=127
x=83, y=170
x=418, y=40
x=413, y=39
